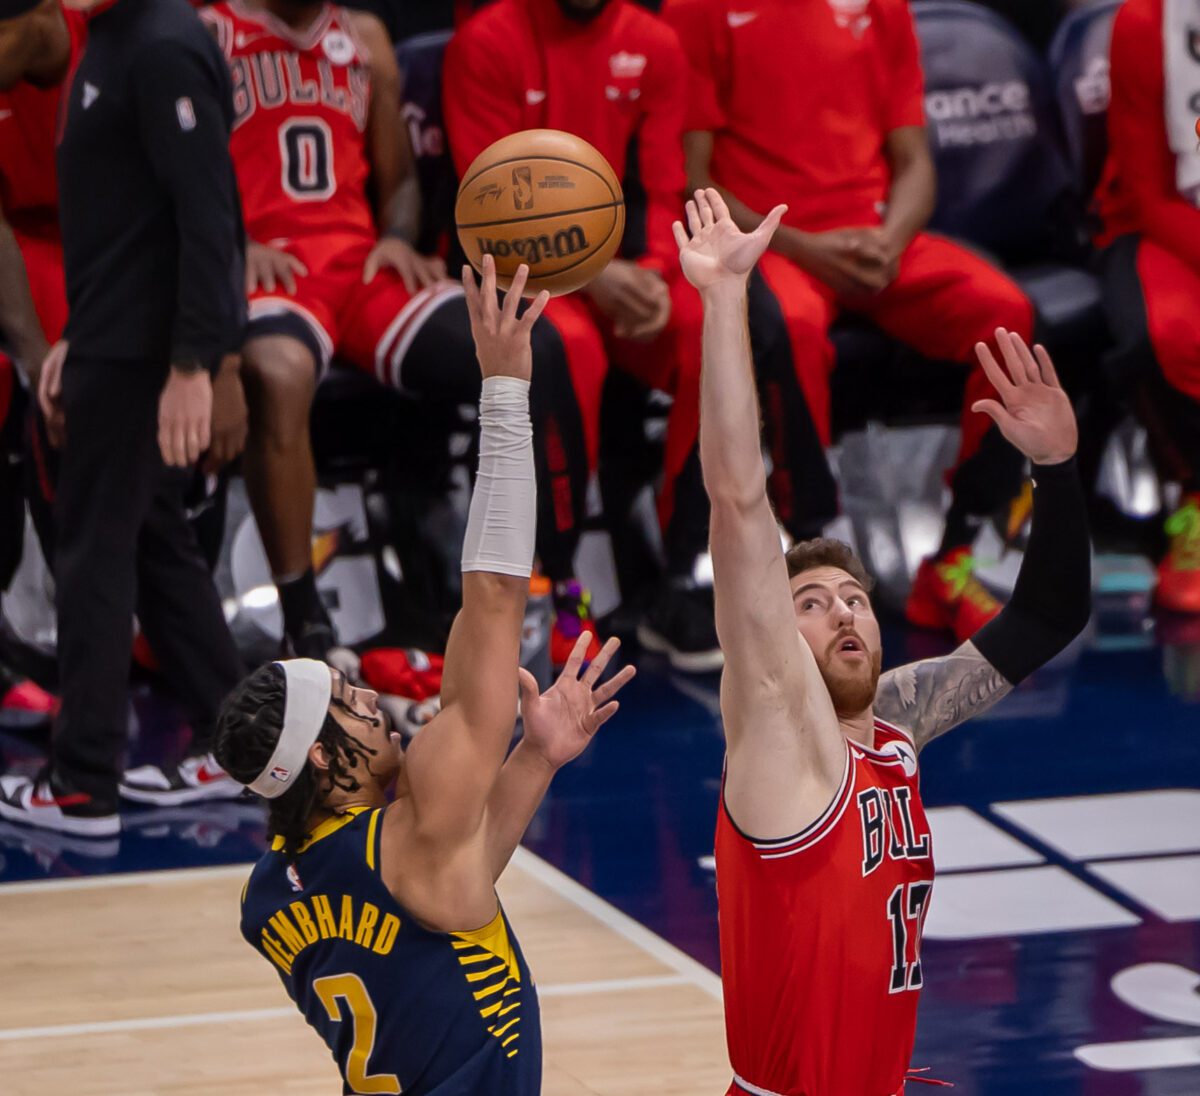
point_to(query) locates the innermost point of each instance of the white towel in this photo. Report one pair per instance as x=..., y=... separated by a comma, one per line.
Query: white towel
x=1181, y=84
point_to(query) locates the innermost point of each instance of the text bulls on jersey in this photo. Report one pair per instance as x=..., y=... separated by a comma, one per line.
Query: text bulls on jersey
x=271, y=78
x=887, y=827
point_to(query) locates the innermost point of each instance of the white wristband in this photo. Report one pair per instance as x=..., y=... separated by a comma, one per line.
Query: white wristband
x=503, y=514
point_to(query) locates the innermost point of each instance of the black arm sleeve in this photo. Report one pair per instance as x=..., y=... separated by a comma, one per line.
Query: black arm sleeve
x=185, y=114
x=1052, y=599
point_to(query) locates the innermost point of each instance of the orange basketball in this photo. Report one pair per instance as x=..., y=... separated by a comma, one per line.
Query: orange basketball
x=544, y=198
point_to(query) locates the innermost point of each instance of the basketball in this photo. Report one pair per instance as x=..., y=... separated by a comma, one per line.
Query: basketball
x=544, y=198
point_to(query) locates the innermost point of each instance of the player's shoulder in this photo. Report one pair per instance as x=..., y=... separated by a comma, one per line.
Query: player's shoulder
x=1138, y=15
x=367, y=27
x=651, y=31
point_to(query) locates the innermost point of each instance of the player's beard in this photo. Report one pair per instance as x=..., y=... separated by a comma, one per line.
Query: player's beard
x=851, y=685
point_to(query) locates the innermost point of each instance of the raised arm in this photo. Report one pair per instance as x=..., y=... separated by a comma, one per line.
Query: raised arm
x=1051, y=601
x=786, y=750
x=453, y=764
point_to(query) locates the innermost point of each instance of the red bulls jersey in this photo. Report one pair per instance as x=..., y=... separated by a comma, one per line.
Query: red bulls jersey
x=28, y=132
x=300, y=115
x=821, y=934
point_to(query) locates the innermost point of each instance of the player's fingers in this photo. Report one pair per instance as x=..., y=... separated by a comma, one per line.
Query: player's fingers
x=295, y=265
x=992, y=370
x=536, y=307
x=288, y=277
x=490, y=309
x=1032, y=372
x=601, y=716
x=575, y=659
x=528, y=686
x=1011, y=356
x=409, y=277
x=693, y=219
x=995, y=411
x=706, y=213
x=717, y=203
x=613, y=685
x=770, y=223
x=471, y=292
x=600, y=662
x=513, y=297
x=1049, y=374
x=681, y=236
x=266, y=278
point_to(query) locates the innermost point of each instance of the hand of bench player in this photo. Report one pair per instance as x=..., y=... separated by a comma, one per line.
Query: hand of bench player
x=1033, y=413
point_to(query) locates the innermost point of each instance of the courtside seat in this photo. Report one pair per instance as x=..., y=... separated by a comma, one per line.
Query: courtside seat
x=1004, y=182
x=1080, y=67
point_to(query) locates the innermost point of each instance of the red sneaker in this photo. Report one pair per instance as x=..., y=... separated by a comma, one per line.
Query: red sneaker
x=573, y=614
x=28, y=696
x=947, y=596
x=404, y=672
x=1179, y=572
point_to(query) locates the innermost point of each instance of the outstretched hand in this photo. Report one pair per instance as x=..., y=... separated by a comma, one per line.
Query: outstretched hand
x=560, y=722
x=717, y=251
x=1033, y=413
x=501, y=338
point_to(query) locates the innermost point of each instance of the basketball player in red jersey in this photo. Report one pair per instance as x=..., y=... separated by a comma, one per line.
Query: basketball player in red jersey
x=1149, y=205
x=39, y=44
x=330, y=200
x=823, y=850
x=614, y=74
x=838, y=133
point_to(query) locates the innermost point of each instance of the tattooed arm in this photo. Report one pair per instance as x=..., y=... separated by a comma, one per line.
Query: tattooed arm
x=931, y=697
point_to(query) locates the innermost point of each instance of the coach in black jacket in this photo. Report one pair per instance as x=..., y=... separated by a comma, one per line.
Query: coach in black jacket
x=153, y=251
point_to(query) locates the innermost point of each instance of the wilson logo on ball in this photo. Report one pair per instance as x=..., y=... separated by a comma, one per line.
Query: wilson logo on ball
x=535, y=249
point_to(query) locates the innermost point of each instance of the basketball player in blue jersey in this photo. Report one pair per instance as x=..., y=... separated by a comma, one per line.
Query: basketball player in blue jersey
x=382, y=920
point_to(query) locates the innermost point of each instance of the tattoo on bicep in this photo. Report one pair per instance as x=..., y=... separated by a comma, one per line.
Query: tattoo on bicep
x=931, y=697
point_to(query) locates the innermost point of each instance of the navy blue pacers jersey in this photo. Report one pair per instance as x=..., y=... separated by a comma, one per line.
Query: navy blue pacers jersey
x=402, y=1008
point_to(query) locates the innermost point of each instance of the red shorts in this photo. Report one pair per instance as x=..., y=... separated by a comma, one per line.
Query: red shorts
x=373, y=325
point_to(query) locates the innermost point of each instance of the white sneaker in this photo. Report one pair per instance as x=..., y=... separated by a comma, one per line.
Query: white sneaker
x=194, y=779
x=36, y=802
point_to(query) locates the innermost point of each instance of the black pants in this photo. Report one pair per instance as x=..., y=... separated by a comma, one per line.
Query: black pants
x=123, y=546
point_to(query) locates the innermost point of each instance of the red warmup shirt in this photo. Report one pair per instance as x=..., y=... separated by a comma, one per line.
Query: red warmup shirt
x=799, y=96
x=28, y=134
x=821, y=935
x=521, y=64
x=1137, y=191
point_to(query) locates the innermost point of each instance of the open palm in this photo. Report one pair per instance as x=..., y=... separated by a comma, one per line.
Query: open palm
x=560, y=722
x=1033, y=412
x=713, y=249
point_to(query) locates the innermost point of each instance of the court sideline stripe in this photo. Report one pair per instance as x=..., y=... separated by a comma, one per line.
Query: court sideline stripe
x=152, y=1023
x=622, y=924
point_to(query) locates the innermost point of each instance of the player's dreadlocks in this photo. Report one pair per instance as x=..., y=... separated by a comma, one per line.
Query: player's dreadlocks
x=247, y=732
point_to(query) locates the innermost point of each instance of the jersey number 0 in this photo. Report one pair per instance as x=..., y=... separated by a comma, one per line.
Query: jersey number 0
x=306, y=159
x=350, y=989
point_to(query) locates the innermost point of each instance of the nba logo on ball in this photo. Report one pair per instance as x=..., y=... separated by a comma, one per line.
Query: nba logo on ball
x=567, y=216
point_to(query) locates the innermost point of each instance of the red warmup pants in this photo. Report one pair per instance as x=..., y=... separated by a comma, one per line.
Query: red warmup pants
x=1171, y=292
x=944, y=300
x=590, y=344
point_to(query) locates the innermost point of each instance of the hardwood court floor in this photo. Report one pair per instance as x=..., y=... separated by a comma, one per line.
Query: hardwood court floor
x=141, y=984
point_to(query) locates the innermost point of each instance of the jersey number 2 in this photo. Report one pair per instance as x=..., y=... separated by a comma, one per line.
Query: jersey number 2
x=306, y=153
x=350, y=988
x=907, y=903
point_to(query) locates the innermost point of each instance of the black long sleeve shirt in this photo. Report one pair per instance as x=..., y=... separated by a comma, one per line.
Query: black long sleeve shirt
x=151, y=222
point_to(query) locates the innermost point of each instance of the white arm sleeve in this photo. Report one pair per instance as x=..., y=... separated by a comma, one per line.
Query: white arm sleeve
x=503, y=514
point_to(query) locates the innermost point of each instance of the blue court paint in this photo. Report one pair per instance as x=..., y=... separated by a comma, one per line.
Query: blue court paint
x=1008, y=1013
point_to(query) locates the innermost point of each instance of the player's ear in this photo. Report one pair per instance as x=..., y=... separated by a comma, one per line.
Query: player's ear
x=319, y=757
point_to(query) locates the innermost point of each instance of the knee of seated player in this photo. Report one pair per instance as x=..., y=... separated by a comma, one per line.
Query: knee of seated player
x=1001, y=303
x=279, y=375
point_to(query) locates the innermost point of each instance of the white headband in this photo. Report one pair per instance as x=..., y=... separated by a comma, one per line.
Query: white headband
x=306, y=702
